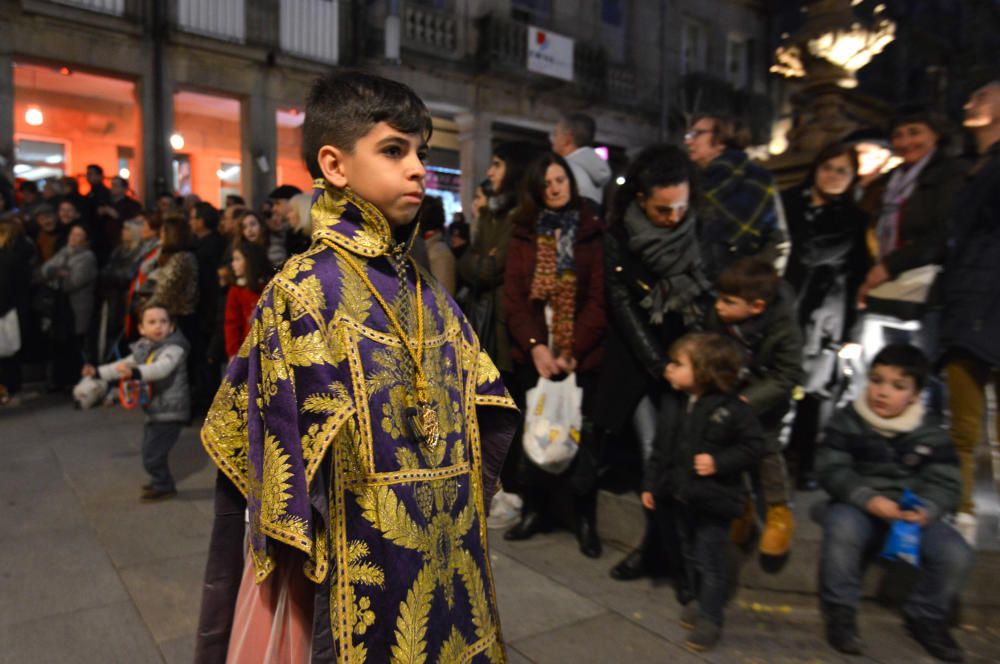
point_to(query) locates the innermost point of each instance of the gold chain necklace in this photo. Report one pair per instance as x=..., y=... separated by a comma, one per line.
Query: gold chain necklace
x=423, y=419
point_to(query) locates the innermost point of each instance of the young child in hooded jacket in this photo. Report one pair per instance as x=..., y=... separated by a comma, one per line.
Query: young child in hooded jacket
x=706, y=439
x=158, y=363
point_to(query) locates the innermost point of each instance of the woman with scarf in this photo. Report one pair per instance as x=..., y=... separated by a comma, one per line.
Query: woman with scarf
x=914, y=207
x=657, y=291
x=555, y=265
x=827, y=265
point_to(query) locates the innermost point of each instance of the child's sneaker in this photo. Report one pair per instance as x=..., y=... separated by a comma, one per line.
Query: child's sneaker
x=966, y=524
x=505, y=510
x=778, y=530
x=704, y=636
x=689, y=615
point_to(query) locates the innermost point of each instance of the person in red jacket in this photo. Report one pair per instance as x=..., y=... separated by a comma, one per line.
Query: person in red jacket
x=555, y=263
x=252, y=271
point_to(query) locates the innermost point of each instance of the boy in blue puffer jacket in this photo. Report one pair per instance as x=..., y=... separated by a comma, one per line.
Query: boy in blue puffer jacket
x=158, y=364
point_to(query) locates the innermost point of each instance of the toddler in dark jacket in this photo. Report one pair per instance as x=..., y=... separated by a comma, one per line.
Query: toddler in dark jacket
x=756, y=308
x=706, y=439
x=872, y=451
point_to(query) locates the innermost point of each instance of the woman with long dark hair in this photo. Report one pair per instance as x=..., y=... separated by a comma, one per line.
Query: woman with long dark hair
x=657, y=291
x=826, y=267
x=175, y=279
x=555, y=263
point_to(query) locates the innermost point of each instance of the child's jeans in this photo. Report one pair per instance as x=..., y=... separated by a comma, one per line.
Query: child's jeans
x=158, y=438
x=851, y=537
x=705, y=543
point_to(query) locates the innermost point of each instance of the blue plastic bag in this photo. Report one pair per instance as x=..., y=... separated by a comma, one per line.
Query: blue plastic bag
x=903, y=542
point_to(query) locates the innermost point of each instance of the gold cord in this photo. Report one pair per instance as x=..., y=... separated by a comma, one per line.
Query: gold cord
x=415, y=354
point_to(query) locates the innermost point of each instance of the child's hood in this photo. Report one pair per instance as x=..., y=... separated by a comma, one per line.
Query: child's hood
x=143, y=347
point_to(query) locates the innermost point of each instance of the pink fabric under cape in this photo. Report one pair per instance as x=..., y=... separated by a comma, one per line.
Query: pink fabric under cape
x=273, y=621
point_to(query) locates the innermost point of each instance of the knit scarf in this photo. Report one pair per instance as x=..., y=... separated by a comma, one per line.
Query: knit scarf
x=902, y=182
x=905, y=422
x=673, y=255
x=554, y=281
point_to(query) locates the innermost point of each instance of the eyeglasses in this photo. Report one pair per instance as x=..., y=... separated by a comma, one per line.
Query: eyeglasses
x=695, y=133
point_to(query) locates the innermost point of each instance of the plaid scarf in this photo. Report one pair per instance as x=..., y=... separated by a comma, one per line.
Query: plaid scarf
x=554, y=281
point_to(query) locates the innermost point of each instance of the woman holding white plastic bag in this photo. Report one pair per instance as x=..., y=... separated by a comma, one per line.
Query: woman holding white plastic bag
x=554, y=300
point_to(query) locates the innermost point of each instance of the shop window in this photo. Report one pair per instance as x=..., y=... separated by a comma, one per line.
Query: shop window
x=208, y=128
x=39, y=160
x=291, y=165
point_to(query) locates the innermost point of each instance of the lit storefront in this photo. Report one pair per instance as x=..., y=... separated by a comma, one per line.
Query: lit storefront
x=206, y=144
x=291, y=167
x=66, y=119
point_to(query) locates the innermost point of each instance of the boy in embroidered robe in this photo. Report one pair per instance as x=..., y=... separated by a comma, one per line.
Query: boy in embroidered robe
x=361, y=422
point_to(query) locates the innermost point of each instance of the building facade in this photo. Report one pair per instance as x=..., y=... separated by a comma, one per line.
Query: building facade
x=207, y=97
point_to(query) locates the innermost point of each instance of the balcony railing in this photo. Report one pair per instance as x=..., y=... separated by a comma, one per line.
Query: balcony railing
x=430, y=31
x=222, y=19
x=114, y=7
x=309, y=28
x=503, y=44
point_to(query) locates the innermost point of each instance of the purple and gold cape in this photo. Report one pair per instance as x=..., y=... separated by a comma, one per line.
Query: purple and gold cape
x=310, y=425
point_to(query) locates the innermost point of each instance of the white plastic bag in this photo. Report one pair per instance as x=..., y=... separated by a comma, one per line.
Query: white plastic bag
x=10, y=333
x=89, y=391
x=552, y=424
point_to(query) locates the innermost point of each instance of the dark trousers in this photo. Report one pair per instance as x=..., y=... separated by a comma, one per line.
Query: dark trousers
x=158, y=438
x=67, y=360
x=771, y=473
x=10, y=373
x=704, y=542
x=852, y=537
x=663, y=544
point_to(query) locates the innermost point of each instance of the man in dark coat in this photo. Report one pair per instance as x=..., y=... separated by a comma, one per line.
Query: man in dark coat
x=971, y=293
x=208, y=248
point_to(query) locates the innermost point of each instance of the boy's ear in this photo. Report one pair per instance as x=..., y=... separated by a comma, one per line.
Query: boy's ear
x=758, y=306
x=331, y=163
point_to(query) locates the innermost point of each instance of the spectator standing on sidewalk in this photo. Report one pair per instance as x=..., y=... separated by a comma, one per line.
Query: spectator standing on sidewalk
x=971, y=293
x=572, y=139
x=15, y=280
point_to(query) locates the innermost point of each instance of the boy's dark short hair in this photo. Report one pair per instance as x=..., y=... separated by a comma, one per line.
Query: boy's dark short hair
x=750, y=279
x=343, y=106
x=581, y=126
x=153, y=304
x=908, y=359
x=716, y=360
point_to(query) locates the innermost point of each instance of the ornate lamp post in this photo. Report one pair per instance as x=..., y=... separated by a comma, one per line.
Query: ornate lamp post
x=825, y=54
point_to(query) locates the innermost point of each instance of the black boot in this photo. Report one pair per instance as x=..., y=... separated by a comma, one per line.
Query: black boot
x=632, y=567
x=586, y=526
x=842, y=629
x=529, y=525
x=934, y=636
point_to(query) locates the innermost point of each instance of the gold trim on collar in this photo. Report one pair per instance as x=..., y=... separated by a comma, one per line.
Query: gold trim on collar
x=371, y=236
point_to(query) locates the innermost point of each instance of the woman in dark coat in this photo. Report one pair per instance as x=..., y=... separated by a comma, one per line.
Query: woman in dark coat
x=657, y=291
x=15, y=282
x=828, y=262
x=555, y=261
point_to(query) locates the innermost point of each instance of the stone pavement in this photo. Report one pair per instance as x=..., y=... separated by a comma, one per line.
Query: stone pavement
x=88, y=574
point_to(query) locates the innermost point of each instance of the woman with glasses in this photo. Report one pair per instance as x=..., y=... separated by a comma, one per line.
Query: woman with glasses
x=827, y=265
x=656, y=292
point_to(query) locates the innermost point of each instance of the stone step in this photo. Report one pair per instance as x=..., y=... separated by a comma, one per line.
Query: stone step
x=620, y=521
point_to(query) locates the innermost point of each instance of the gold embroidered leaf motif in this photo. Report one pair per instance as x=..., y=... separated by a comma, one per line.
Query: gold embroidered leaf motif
x=313, y=290
x=307, y=350
x=411, y=625
x=472, y=577
x=248, y=342
x=486, y=371
x=274, y=483
x=297, y=265
x=407, y=459
x=388, y=514
x=328, y=403
x=453, y=650
x=444, y=309
x=225, y=426
x=355, y=300
x=368, y=574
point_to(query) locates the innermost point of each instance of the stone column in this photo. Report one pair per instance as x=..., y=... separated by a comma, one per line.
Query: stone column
x=259, y=129
x=475, y=131
x=6, y=115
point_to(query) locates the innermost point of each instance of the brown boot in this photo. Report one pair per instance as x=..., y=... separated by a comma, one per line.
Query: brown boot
x=742, y=526
x=778, y=530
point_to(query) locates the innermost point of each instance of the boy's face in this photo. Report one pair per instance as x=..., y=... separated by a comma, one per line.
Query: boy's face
x=386, y=168
x=732, y=309
x=680, y=372
x=155, y=324
x=890, y=391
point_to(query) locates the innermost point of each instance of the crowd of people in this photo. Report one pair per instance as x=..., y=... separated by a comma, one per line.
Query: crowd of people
x=702, y=312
